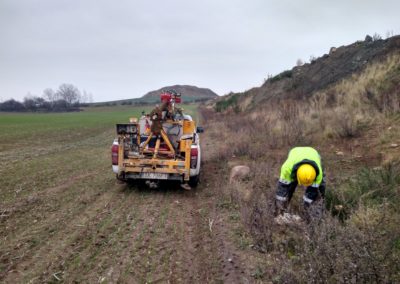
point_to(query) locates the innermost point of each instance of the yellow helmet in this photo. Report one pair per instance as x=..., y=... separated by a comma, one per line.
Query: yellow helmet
x=306, y=175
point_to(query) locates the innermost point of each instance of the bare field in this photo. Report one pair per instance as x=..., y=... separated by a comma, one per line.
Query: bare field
x=63, y=217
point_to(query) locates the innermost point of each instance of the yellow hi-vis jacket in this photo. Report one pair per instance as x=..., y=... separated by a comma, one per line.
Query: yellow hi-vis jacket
x=297, y=157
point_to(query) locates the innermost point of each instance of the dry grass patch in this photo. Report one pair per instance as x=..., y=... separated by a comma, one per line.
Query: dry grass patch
x=359, y=239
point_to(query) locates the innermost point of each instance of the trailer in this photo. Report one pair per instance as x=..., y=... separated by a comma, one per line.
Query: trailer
x=171, y=152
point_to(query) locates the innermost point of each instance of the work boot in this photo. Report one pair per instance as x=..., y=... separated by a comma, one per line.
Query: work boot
x=186, y=186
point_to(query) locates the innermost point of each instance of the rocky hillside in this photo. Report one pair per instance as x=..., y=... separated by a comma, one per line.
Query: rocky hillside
x=345, y=104
x=302, y=82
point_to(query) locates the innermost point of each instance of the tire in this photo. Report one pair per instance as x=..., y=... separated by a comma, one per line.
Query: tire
x=194, y=181
x=120, y=180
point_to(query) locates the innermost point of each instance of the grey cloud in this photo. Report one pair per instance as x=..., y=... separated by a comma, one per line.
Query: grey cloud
x=123, y=49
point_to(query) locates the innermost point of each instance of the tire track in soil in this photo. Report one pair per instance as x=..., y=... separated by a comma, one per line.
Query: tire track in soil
x=176, y=249
x=101, y=258
x=139, y=236
x=227, y=256
x=133, y=239
x=115, y=272
x=141, y=256
x=230, y=260
x=176, y=246
x=198, y=247
x=160, y=246
x=180, y=251
x=192, y=253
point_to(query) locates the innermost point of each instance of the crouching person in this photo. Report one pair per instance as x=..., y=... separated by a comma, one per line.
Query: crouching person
x=302, y=167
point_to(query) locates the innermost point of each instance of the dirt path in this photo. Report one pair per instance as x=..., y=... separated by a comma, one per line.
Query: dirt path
x=88, y=228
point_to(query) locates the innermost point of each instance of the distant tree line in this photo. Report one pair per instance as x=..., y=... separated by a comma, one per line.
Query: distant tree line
x=66, y=98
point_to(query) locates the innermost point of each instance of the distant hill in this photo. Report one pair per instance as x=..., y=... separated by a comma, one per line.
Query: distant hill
x=189, y=94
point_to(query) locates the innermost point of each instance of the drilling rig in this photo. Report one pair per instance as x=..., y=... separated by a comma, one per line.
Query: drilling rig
x=163, y=145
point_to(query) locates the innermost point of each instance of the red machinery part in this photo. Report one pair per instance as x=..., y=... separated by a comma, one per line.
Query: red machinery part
x=167, y=97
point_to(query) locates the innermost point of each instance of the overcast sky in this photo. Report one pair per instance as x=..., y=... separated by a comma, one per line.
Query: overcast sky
x=125, y=48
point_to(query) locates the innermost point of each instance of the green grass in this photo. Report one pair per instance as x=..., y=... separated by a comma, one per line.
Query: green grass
x=23, y=129
x=40, y=150
x=58, y=199
x=232, y=101
x=18, y=127
x=370, y=187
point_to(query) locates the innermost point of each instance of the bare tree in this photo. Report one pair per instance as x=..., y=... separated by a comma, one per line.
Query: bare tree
x=29, y=102
x=84, y=97
x=50, y=95
x=90, y=98
x=389, y=34
x=69, y=93
x=376, y=37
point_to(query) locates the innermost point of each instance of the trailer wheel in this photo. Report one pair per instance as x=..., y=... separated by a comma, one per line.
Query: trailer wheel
x=120, y=179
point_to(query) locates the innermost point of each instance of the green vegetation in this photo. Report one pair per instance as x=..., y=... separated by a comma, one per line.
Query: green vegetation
x=370, y=187
x=36, y=148
x=28, y=128
x=283, y=75
x=232, y=101
x=21, y=133
x=59, y=196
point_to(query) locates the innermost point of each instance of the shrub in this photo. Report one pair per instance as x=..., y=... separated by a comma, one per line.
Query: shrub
x=231, y=101
x=362, y=245
x=376, y=37
x=345, y=123
x=364, y=248
x=294, y=123
x=370, y=187
x=360, y=252
x=283, y=75
x=388, y=99
x=254, y=197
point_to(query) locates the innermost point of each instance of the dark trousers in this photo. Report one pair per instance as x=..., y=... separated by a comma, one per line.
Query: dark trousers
x=284, y=192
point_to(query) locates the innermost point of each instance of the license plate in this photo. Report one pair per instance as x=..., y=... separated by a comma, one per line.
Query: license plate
x=154, y=176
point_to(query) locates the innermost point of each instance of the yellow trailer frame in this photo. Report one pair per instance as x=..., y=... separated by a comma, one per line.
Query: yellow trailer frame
x=173, y=164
